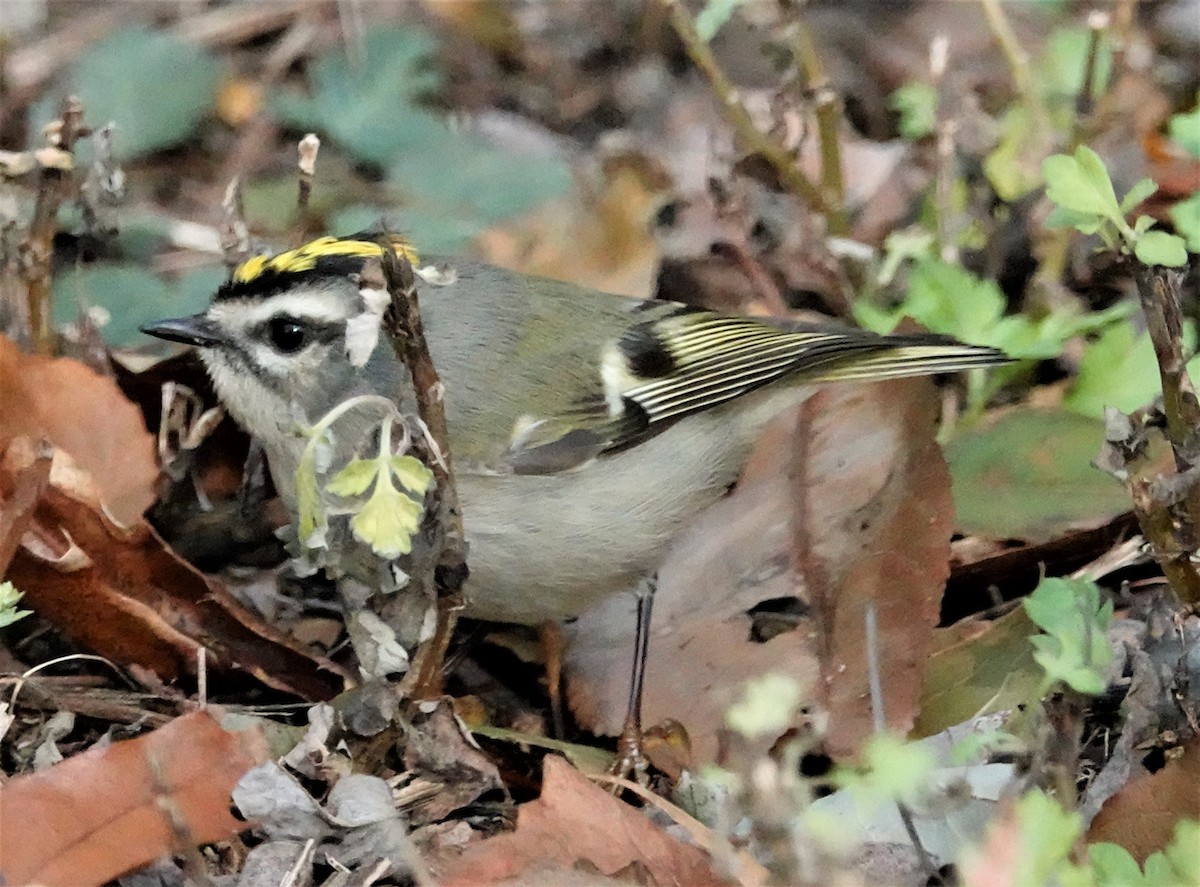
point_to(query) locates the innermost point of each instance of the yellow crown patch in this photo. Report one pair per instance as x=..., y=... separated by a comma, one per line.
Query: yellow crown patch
x=307, y=257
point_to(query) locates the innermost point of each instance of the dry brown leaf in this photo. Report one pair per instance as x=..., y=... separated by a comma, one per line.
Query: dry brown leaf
x=18, y=496
x=846, y=503
x=875, y=522
x=109, y=810
x=439, y=750
x=1141, y=817
x=578, y=833
x=86, y=415
x=732, y=559
x=120, y=592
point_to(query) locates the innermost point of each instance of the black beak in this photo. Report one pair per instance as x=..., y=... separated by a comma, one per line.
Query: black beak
x=194, y=330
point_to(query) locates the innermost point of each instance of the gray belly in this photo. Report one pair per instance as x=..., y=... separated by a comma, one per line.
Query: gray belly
x=549, y=547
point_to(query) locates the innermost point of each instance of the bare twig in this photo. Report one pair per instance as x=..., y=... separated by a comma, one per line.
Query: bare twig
x=55, y=184
x=946, y=171
x=1169, y=512
x=103, y=189
x=235, y=234
x=403, y=327
x=829, y=118
x=306, y=167
x=1084, y=102
x=1159, y=290
x=755, y=139
x=1018, y=60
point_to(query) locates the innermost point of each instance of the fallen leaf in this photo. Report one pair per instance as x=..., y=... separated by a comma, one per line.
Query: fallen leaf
x=86, y=415
x=578, y=833
x=18, y=496
x=844, y=503
x=108, y=810
x=1029, y=476
x=120, y=592
x=1141, y=817
x=873, y=529
x=439, y=749
x=978, y=667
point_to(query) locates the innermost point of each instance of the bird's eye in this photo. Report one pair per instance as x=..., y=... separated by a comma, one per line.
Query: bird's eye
x=286, y=335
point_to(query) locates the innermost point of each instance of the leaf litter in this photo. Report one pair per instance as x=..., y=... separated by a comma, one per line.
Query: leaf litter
x=846, y=510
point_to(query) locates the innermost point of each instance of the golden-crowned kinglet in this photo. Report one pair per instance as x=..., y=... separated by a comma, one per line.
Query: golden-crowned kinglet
x=586, y=428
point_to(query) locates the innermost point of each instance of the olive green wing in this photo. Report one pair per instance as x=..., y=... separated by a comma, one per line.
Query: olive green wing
x=666, y=368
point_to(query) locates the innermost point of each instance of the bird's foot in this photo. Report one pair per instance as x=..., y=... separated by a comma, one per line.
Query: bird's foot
x=631, y=762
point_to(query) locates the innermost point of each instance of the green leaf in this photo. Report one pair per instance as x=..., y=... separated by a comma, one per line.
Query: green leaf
x=1060, y=70
x=1081, y=183
x=902, y=246
x=458, y=185
x=1143, y=224
x=1186, y=217
x=1113, y=866
x=1119, y=370
x=411, y=474
x=365, y=100
x=1183, y=853
x=916, y=105
x=713, y=17
x=129, y=296
x=310, y=514
x=892, y=770
x=1028, y=476
x=1073, y=648
x=949, y=299
x=1184, y=130
x=9, y=596
x=1160, y=248
x=767, y=706
x=354, y=479
x=1041, y=849
x=1012, y=167
x=387, y=521
x=152, y=85
x=1085, y=223
x=977, y=668
x=1137, y=194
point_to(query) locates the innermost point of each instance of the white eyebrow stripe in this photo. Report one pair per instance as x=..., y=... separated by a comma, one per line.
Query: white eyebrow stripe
x=311, y=304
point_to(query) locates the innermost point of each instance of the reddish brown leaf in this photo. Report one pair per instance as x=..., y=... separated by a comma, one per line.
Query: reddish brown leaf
x=120, y=592
x=733, y=558
x=18, y=496
x=850, y=502
x=86, y=415
x=574, y=830
x=1141, y=817
x=106, y=811
x=875, y=522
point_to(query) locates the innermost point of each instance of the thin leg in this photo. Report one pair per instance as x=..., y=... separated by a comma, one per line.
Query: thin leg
x=553, y=643
x=631, y=759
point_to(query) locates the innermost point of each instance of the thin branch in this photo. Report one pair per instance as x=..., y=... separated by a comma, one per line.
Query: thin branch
x=55, y=184
x=306, y=166
x=404, y=329
x=829, y=118
x=1017, y=58
x=306, y=173
x=1170, y=513
x=234, y=232
x=754, y=139
x=1085, y=100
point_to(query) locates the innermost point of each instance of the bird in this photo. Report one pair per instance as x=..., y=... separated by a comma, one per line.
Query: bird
x=586, y=429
